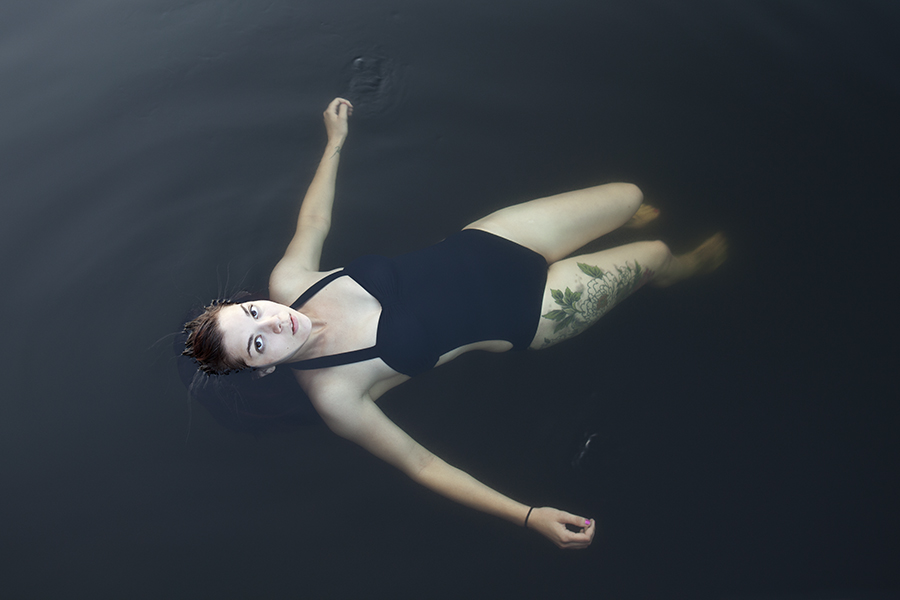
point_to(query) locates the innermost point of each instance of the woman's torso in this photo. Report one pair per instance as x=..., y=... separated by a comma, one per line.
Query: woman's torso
x=349, y=318
x=419, y=310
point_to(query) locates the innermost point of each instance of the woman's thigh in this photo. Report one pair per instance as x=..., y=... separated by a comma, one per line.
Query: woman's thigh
x=558, y=225
x=582, y=289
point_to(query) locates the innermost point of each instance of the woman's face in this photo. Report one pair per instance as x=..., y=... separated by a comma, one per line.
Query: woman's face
x=263, y=333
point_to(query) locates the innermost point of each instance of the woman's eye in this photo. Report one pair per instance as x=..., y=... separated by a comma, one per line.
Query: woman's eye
x=257, y=343
x=253, y=312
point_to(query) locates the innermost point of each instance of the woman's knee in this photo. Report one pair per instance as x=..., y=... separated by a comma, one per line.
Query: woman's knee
x=659, y=248
x=632, y=190
x=630, y=194
x=657, y=255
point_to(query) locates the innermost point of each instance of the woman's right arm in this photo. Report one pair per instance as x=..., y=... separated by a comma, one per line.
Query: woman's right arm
x=313, y=223
x=364, y=423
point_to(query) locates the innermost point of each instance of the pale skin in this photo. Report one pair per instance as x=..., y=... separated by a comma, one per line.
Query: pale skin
x=343, y=316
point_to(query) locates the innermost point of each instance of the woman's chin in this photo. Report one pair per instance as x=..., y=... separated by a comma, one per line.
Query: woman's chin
x=304, y=328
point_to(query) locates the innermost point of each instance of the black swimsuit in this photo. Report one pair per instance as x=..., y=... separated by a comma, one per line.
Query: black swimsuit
x=472, y=287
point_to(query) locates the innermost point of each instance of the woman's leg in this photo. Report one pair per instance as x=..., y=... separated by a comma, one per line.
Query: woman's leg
x=582, y=289
x=558, y=225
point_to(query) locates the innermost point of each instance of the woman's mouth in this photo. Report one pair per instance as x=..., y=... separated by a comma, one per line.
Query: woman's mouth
x=294, y=325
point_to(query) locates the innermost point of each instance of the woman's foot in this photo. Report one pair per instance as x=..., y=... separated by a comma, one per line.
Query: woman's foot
x=645, y=213
x=709, y=256
x=705, y=258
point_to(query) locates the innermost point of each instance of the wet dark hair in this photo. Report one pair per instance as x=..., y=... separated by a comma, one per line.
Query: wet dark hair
x=204, y=339
x=237, y=399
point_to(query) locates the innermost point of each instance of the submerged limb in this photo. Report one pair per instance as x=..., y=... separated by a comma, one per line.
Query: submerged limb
x=705, y=258
x=557, y=226
x=644, y=215
x=582, y=289
x=567, y=531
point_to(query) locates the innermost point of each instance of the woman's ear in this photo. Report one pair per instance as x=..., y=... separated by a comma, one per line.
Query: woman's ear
x=263, y=372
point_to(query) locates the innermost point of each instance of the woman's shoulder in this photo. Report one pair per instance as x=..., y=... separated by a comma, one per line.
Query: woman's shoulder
x=328, y=391
x=286, y=285
x=335, y=384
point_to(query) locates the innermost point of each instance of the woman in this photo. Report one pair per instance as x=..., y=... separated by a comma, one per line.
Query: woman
x=504, y=282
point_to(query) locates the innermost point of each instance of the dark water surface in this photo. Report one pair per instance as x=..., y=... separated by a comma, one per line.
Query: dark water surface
x=153, y=153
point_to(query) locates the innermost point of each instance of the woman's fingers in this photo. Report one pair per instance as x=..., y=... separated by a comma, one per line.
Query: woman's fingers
x=581, y=537
x=571, y=540
x=575, y=520
x=564, y=529
x=334, y=104
x=340, y=107
x=333, y=107
x=591, y=529
x=336, y=116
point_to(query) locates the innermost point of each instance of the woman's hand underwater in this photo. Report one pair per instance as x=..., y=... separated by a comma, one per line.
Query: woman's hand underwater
x=336, y=116
x=551, y=523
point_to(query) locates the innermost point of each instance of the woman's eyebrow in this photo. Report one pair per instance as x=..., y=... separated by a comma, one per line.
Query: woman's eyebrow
x=250, y=339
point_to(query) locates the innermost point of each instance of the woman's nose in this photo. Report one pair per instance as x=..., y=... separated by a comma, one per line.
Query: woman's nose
x=276, y=324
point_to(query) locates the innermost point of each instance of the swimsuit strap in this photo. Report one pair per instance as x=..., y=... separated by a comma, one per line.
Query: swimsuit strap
x=315, y=289
x=331, y=360
x=335, y=360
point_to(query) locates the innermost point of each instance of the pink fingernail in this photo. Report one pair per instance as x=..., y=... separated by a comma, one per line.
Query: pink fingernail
x=587, y=522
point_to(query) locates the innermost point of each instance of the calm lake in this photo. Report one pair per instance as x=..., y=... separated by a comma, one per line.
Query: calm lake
x=154, y=153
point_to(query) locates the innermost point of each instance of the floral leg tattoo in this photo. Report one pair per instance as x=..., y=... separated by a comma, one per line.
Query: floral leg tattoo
x=579, y=310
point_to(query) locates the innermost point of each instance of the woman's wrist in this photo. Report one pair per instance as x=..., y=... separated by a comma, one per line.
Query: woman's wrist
x=528, y=516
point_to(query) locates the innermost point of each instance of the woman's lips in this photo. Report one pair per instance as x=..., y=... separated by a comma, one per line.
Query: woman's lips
x=294, y=325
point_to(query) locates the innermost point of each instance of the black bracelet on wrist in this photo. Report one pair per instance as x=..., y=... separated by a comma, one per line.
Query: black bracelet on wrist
x=526, y=517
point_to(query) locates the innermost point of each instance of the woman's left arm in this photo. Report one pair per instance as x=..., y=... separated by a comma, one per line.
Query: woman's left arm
x=364, y=423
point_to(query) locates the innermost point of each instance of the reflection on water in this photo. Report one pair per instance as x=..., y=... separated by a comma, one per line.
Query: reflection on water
x=153, y=153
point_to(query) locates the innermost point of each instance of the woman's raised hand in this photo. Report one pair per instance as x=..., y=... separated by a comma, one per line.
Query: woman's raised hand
x=336, y=116
x=551, y=523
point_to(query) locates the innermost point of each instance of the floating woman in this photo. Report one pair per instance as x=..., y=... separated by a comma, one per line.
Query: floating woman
x=505, y=282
